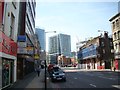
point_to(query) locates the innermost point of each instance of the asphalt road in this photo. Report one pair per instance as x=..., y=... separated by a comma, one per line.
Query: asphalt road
x=87, y=79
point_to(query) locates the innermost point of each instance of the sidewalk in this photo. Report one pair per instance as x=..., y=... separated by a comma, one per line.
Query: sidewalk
x=31, y=81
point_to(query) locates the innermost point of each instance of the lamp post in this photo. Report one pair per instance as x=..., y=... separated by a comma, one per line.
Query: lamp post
x=46, y=63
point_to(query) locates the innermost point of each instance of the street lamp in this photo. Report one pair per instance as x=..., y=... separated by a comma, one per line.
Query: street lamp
x=46, y=64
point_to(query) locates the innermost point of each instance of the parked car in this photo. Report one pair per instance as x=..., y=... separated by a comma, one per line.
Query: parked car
x=57, y=74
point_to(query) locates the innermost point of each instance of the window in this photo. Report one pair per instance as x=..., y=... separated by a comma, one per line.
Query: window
x=12, y=25
x=115, y=37
x=117, y=23
x=118, y=34
x=111, y=43
x=14, y=3
x=113, y=25
x=103, y=50
x=116, y=46
x=102, y=43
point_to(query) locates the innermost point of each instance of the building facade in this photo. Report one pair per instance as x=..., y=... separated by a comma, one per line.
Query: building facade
x=9, y=12
x=60, y=45
x=42, y=40
x=96, y=53
x=115, y=25
x=26, y=39
x=37, y=53
x=41, y=37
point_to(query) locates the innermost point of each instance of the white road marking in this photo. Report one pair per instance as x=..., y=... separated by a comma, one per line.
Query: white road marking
x=116, y=86
x=75, y=78
x=93, y=85
x=107, y=78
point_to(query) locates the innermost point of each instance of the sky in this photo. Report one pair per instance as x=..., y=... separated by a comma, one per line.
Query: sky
x=80, y=20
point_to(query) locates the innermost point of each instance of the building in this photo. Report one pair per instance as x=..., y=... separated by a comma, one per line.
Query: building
x=42, y=40
x=26, y=39
x=115, y=24
x=37, y=53
x=9, y=13
x=41, y=37
x=60, y=45
x=96, y=53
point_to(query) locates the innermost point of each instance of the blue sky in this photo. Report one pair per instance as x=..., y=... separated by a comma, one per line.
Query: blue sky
x=81, y=20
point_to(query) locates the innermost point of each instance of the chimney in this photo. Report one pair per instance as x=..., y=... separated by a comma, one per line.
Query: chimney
x=105, y=34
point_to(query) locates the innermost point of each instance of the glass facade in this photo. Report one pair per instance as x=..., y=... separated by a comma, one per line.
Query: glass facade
x=60, y=44
x=41, y=37
x=89, y=51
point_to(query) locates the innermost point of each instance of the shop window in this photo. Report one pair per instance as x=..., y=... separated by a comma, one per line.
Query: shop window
x=5, y=73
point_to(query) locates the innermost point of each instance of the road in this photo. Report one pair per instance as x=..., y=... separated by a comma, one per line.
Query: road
x=87, y=79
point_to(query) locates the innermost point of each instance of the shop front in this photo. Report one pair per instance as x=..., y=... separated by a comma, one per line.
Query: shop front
x=8, y=53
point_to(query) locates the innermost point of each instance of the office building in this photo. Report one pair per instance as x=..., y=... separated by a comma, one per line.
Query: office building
x=60, y=45
x=41, y=37
x=26, y=39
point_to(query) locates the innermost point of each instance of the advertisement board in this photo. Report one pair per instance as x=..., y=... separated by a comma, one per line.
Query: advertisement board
x=22, y=44
x=36, y=56
x=7, y=45
x=21, y=50
x=29, y=50
x=21, y=38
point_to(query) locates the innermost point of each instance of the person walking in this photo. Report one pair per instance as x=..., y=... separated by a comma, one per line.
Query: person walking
x=38, y=70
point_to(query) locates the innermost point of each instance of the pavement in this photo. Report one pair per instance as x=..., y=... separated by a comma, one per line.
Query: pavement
x=30, y=81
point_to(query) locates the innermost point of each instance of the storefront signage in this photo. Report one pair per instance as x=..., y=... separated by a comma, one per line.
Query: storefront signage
x=7, y=45
x=29, y=50
x=21, y=50
x=22, y=44
x=36, y=56
x=22, y=38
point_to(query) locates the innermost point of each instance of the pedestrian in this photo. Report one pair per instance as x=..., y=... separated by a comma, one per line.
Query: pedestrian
x=38, y=70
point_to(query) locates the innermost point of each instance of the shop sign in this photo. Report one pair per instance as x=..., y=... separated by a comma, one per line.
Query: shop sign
x=7, y=45
x=29, y=50
x=36, y=56
x=22, y=44
x=21, y=38
x=21, y=50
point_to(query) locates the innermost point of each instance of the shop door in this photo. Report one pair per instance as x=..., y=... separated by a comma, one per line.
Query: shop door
x=5, y=72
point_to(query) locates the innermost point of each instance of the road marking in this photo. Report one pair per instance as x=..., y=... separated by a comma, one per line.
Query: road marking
x=75, y=78
x=107, y=78
x=93, y=85
x=116, y=86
